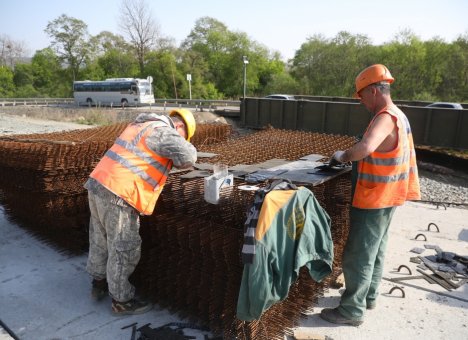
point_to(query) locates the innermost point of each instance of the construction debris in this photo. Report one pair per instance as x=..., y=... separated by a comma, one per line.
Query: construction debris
x=447, y=269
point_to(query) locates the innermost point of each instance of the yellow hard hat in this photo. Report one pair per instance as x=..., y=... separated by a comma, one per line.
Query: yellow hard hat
x=371, y=75
x=188, y=119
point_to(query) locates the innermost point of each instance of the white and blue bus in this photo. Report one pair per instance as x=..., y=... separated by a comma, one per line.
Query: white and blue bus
x=114, y=91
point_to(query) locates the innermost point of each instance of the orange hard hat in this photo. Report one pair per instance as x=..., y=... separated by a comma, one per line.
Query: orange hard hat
x=371, y=75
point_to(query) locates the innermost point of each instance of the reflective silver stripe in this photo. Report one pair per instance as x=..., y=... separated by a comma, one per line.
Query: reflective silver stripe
x=136, y=170
x=147, y=158
x=407, y=125
x=140, y=134
x=383, y=179
x=387, y=161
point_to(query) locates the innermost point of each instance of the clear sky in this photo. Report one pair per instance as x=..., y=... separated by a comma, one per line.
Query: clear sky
x=279, y=25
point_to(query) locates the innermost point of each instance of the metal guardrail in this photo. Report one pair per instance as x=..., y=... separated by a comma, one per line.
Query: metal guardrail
x=202, y=103
x=35, y=101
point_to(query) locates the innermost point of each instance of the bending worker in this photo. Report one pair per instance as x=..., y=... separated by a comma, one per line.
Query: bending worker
x=385, y=175
x=125, y=184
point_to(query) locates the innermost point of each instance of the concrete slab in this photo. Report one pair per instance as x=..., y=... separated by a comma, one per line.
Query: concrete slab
x=46, y=295
x=428, y=311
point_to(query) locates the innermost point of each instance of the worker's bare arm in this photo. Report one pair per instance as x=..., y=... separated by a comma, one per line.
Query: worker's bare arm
x=382, y=127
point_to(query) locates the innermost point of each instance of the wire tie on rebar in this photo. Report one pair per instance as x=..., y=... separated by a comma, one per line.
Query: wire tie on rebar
x=425, y=239
x=404, y=266
x=435, y=225
x=397, y=288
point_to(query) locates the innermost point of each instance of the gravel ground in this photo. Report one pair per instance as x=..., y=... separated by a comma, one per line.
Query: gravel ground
x=438, y=184
x=14, y=125
x=442, y=187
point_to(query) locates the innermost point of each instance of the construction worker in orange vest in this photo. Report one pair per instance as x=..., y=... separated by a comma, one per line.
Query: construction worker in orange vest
x=384, y=176
x=125, y=184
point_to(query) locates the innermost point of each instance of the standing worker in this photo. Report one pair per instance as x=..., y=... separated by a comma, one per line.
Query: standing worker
x=384, y=176
x=125, y=184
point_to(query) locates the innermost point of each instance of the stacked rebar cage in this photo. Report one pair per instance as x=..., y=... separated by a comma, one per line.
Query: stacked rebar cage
x=191, y=249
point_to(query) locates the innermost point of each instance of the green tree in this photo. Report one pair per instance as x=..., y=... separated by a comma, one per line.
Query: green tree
x=308, y=65
x=92, y=71
x=161, y=65
x=208, y=41
x=433, y=69
x=23, y=79
x=193, y=63
x=274, y=77
x=7, y=87
x=70, y=39
x=47, y=74
x=220, y=52
x=114, y=58
x=108, y=41
x=456, y=75
x=327, y=67
x=119, y=64
x=22, y=75
x=405, y=56
x=282, y=83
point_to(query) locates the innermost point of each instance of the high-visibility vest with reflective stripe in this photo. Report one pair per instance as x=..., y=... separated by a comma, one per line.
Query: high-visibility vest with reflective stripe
x=388, y=179
x=132, y=171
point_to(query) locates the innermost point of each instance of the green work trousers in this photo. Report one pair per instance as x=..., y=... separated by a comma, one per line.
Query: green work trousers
x=363, y=259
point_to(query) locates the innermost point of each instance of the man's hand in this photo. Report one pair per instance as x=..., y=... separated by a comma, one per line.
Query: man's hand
x=336, y=159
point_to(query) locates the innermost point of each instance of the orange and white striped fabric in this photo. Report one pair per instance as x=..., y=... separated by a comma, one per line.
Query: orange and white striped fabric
x=388, y=179
x=132, y=171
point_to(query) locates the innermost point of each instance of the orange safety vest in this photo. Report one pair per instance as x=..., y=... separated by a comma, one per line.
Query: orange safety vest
x=133, y=171
x=388, y=179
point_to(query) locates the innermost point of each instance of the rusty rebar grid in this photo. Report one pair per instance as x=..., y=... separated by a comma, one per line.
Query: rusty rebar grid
x=190, y=259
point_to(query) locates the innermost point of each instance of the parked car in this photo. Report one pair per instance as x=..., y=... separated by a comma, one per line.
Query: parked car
x=446, y=105
x=280, y=96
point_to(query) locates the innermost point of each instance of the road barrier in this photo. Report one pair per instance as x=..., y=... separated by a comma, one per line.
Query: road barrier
x=197, y=104
x=35, y=101
x=430, y=126
x=440, y=127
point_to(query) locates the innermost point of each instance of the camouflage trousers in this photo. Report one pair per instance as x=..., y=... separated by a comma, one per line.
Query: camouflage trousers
x=114, y=245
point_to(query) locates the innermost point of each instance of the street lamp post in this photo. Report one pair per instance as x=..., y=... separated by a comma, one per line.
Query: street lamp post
x=246, y=61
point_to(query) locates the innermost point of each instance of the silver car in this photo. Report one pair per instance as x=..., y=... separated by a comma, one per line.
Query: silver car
x=280, y=96
x=446, y=105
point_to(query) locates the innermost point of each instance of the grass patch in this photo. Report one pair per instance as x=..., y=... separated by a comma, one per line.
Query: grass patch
x=97, y=117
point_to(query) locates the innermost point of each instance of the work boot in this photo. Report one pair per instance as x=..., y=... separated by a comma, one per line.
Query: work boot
x=130, y=307
x=334, y=316
x=99, y=290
